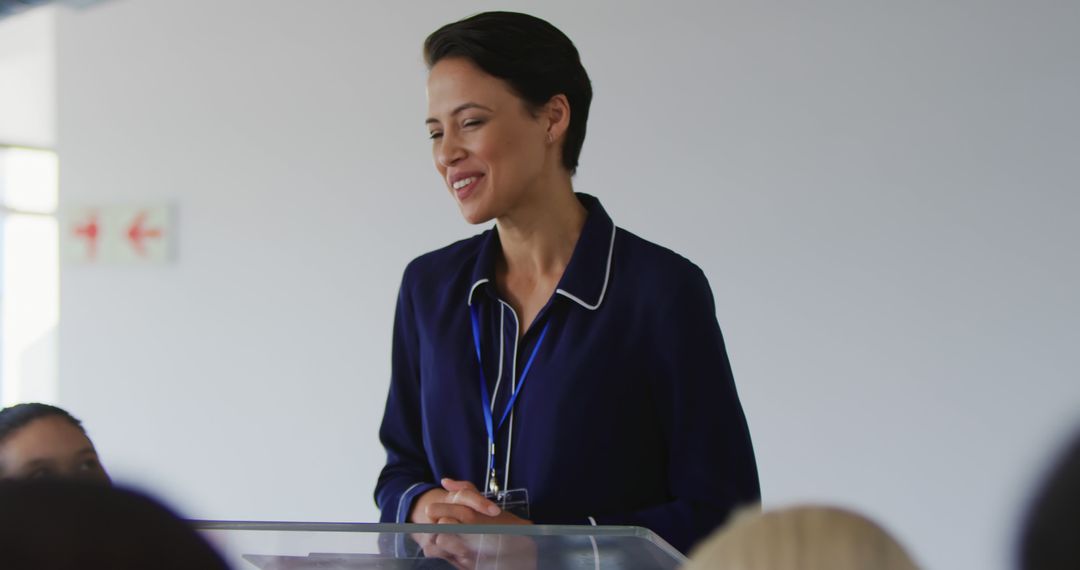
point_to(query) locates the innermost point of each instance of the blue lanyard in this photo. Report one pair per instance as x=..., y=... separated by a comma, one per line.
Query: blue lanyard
x=489, y=421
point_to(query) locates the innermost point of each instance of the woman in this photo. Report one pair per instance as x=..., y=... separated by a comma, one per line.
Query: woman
x=555, y=361
x=39, y=441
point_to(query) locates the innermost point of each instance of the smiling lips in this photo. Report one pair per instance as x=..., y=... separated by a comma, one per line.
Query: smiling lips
x=464, y=185
x=464, y=182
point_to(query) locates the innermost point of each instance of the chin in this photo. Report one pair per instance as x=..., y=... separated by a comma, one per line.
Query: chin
x=475, y=213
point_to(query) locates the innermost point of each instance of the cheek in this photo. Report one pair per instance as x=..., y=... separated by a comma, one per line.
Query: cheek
x=494, y=149
x=513, y=153
x=435, y=160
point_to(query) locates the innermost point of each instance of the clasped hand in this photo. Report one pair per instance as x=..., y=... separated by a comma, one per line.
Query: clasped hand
x=459, y=502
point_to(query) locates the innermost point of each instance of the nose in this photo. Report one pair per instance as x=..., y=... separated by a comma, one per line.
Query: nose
x=449, y=151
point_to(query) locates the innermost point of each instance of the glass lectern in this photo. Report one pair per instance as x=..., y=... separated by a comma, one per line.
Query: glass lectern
x=356, y=546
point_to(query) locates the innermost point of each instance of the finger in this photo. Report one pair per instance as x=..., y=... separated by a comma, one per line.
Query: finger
x=472, y=498
x=456, y=485
x=423, y=539
x=447, y=520
x=462, y=513
x=457, y=548
x=433, y=550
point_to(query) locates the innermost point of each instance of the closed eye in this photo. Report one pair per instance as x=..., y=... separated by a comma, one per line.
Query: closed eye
x=41, y=473
x=90, y=465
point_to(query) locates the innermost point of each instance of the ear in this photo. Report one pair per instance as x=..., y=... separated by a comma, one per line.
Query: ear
x=557, y=113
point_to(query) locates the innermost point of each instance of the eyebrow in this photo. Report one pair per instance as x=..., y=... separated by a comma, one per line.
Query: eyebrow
x=37, y=463
x=459, y=109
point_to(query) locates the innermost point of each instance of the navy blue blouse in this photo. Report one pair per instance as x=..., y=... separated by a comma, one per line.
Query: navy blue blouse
x=629, y=415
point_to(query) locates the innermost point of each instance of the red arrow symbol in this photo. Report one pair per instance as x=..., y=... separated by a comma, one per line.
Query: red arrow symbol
x=137, y=233
x=89, y=231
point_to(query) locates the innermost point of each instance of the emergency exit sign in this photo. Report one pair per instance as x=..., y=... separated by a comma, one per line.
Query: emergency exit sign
x=118, y=234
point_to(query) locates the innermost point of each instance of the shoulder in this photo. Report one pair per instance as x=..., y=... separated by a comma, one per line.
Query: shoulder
x=670, y=293
x=447, y=263
x=652, y=266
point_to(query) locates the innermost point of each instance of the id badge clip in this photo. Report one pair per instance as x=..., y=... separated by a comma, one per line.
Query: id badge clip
x=515, y=501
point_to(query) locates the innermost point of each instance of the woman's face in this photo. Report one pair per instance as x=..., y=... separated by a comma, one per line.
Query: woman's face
x=50, y=447
x=488, y=148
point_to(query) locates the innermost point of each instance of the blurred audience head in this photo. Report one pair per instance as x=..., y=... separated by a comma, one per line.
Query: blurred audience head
x=43, y=441
x=1050, y=539
x=65, y=524
x=800, y=538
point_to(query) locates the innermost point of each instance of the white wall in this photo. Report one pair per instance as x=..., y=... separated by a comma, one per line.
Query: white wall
x=27, y=118
x=27, y=78
x=880, y=192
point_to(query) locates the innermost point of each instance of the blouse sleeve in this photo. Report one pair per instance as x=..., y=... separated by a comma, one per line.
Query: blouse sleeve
x=711, y=466
x=407, y=473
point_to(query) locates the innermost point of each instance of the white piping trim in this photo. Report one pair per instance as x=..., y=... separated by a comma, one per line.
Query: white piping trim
x=498, y=380
x=513, y=379
x=607, y=275
x=402, y=517
x=473, y=288
x=592, y=521
x=595, y=549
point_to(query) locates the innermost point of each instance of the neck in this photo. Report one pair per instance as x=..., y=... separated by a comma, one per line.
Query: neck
x=538, y=238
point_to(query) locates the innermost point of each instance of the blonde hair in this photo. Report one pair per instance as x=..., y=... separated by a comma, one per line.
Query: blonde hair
x=800, y=538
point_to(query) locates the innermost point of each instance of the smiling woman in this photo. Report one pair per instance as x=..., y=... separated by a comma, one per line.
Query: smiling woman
x=631, y=415
x=39, y=441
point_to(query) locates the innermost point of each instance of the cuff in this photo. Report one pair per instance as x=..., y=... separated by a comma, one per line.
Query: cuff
x=405, y=501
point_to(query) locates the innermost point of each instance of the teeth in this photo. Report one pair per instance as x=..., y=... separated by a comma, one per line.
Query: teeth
x=464, y=182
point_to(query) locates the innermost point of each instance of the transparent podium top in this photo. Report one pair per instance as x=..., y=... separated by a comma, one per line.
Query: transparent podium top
x=355, y=546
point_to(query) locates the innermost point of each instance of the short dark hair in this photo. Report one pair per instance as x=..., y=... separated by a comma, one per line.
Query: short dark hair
x=1049, y=537
x=14, y=418
x=533, y=57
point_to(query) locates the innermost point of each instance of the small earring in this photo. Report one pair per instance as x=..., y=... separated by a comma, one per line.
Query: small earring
x=550, y=138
